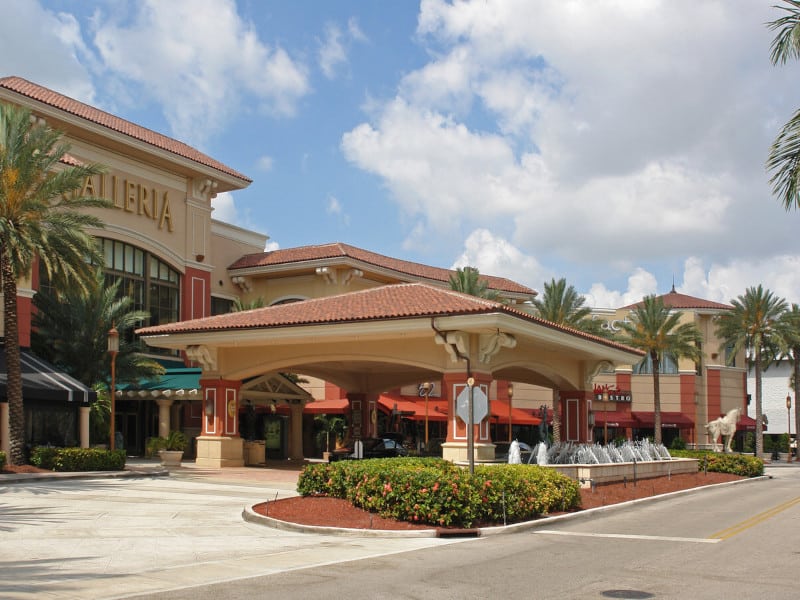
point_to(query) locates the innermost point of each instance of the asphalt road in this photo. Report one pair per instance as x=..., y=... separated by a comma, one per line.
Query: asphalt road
x=172, y=539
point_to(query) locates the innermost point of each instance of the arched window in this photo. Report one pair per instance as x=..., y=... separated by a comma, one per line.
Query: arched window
x=152, y=283
x=645, y=367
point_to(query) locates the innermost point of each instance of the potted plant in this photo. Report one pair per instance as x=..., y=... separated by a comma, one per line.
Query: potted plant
x=169, y=449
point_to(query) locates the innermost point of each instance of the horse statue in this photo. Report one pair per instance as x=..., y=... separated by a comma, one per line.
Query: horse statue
x=724, y=426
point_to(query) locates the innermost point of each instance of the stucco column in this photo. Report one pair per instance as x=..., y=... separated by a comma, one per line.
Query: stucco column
x=164, y=405
x=83, y=426
x=219, y=444
x=5, y=431
x=456, y=446
x=296, y=431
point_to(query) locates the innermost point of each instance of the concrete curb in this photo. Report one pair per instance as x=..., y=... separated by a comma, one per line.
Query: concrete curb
x=249, y=515
x=31, y=477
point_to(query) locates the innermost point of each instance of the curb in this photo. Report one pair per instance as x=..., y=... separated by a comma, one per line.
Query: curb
x=249, y=515
x=31, y=477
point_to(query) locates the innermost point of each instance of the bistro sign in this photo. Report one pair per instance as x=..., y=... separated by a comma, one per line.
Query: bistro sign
x=615, y=396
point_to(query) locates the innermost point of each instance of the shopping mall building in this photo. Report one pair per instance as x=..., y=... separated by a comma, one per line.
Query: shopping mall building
x=344, y=331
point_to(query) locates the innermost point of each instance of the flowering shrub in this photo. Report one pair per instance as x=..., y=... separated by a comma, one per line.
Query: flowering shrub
x=737, y=464
x=436, y=492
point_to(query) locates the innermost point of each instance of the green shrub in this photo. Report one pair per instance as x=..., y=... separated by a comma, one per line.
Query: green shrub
x=677, y=444
x=2, y=460
x=737, y=464
x=436, y=492
x=78, y=459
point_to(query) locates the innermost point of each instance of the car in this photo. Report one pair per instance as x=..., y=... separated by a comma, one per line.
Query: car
x=501, y=450
x=372, y=448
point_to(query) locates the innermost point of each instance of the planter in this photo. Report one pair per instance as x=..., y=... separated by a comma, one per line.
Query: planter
x=170, y=458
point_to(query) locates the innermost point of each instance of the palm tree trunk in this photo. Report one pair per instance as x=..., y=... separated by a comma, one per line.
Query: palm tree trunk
x=16, y=413
x=556, y=416
x=656, y=399
x=759, y=425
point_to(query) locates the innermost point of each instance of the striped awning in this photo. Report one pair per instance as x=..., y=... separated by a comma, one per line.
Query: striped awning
x=44, y=382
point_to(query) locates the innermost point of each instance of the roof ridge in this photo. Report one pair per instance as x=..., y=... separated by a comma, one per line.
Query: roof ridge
x=37, y=92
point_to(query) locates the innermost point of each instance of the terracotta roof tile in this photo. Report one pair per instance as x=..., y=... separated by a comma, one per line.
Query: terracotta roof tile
x=340, y=250
x=388, y=302
x=681, y=301
x=79, y=109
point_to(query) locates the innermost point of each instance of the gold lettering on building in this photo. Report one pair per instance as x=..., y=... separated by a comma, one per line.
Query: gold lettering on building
x=132, y=197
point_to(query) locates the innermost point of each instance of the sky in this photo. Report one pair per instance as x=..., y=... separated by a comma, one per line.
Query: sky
x=618, y=144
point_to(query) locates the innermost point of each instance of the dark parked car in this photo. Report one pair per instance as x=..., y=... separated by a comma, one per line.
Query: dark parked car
x=373, y=448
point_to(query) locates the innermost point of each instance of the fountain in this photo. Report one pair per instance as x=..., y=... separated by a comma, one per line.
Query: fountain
x=595, y=463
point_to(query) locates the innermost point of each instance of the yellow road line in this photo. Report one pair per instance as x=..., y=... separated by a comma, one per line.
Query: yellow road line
x=754, y=520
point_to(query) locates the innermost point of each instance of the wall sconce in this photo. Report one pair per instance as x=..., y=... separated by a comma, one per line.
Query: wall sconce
x=273, y=407
x=200, y=257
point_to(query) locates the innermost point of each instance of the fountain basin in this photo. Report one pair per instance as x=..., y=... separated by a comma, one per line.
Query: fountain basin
x=598, y=474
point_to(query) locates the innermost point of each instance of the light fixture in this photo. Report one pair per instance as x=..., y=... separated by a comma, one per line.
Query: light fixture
x=510, y=398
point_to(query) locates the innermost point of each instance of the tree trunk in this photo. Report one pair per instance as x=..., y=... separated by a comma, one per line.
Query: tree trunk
x=656, y=399
x=556, y=417
x=759, y=424
x=16, y=413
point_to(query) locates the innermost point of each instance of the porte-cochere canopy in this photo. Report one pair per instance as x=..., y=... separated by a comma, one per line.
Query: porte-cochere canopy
x=371, y=341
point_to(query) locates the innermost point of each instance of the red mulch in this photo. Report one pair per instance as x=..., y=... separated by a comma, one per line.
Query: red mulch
x=335, y=512
x=12, y=469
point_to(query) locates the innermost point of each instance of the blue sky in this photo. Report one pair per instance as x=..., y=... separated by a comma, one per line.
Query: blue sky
x=618, y=144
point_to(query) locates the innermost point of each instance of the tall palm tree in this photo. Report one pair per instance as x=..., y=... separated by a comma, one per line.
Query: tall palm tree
x=561, y=304
x=784, y=155
x=754, y=325
x=468, y=281
x=659, y=332
x=71, y=331
x=40, y=217
x=790, y=346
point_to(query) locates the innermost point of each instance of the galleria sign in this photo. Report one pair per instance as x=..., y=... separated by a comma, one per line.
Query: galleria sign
x=131, y=197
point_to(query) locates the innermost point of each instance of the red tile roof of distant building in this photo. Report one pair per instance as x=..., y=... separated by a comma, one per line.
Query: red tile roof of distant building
x=340, y=250
x=681, y=301
x=79, y=109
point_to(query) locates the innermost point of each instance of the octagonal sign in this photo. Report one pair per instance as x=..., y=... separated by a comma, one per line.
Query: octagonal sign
x=480, y=405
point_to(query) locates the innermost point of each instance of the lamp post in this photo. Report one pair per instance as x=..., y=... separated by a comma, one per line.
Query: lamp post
x=510, y=398
x=789, y=427
x=426, y=388
x=605, y=416
x=113, y=350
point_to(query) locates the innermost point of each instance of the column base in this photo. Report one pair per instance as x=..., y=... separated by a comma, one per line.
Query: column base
x=457, y=452
x=219, y=452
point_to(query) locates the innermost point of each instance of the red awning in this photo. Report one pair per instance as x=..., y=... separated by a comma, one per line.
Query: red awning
x=668, y=419
x=413, y=408
x=326, y=407
x=614, y=419
x=499, y=411
x=747, y=424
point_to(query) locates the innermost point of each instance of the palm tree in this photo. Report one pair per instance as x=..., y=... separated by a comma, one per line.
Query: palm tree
x=468, y=281
x=659, y=332
x=40, y=218
x=784, y=155
x=790, y=346
x=239, y=306
x=71, y=331
x=754, y=325
x=563, y=305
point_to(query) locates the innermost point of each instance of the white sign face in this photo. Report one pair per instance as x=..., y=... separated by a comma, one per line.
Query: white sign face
x=480, y=405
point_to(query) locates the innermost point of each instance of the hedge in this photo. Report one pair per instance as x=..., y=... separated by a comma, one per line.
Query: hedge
x=436, y=492
x=78, y=459
x=737, y=464
x=2, y=460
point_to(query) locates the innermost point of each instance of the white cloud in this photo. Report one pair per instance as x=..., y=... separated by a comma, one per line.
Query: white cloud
x=265, y=163
x=334, y=46
x=623, y=143
x=225, y=209
x=334, y=207
x=197, y=59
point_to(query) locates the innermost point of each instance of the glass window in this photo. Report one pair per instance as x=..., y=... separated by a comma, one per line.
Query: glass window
x=668, y=365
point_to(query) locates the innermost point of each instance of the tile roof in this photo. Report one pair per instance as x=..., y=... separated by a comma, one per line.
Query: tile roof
x=340, y=250
x=79, y=109
x=681, y=301
x=387, y=302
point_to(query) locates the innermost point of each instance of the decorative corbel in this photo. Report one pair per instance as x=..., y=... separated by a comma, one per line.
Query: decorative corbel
x=327, y=273
x=595, y=370
x=490, y=344
x=350, y=274
x=455, y=342
x=243, y=283
x=207, y=357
